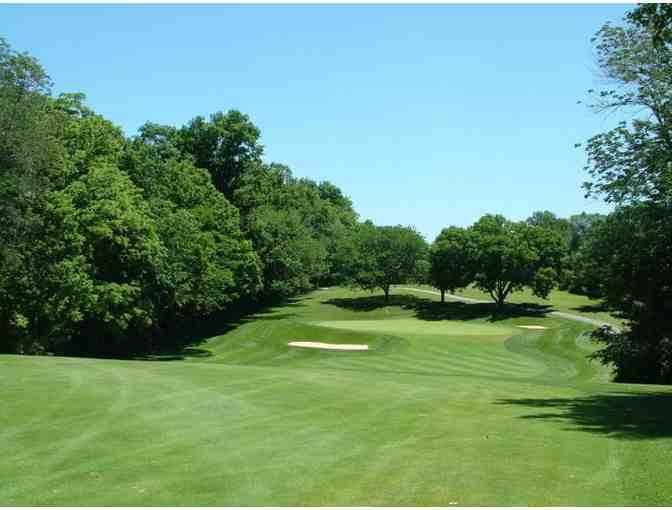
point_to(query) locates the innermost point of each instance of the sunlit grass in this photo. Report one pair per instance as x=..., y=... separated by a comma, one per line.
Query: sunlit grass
x=450, y=405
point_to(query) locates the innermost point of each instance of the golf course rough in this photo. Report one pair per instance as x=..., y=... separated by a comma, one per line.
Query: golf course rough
x=446, y=407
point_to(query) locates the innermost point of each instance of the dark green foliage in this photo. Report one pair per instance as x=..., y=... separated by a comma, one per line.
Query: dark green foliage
x=103, y=256
x=108, y=243
x=226, y=145
x=580, y=226
x=549, y=221
x=657, y=18
x=631, y=166
x=386, y=256
x=510, y=256
x=30, y=158
x=208, y=264
x=576, y=273
x=452, y=260
x=296, y=226
x=293, y=259
x=583, y=273
x=634, y=250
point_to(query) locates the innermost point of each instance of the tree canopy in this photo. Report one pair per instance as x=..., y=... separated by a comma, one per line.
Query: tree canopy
x=452, y=260
x=511, y=256
x=108, y=241
x=386, y=255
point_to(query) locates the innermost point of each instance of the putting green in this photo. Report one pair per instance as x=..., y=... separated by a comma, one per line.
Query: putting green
x=419, y=327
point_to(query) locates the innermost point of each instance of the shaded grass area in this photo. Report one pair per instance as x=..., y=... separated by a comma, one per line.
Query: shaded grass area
x=448, y=407
x=431, y=310
x=558, y=300
x=620, y=415
x=191, y=335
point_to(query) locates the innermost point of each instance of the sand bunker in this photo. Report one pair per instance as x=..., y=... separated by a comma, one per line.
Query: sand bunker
x=533, y=327
x=333, y=347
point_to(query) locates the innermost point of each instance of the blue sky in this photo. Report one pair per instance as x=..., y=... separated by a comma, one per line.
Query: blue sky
x=424, y=115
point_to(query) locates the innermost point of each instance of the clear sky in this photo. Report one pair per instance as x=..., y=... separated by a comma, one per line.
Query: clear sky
x=424, y=115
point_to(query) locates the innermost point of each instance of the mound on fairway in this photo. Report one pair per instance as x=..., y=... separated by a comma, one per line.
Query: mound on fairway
x=331, y=347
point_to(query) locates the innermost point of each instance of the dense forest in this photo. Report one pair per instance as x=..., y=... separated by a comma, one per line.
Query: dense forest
x=115, y=245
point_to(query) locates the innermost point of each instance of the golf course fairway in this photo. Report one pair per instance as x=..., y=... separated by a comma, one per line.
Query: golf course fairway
x=448, y=406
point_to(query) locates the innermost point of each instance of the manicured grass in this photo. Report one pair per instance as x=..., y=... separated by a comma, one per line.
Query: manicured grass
x=559, y=300
x=450, y=406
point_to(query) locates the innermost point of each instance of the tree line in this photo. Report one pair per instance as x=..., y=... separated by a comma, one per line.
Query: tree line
x=500, y=256
x=110, y=242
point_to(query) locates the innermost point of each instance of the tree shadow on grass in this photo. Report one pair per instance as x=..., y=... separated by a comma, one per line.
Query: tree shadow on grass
x=177, y=355
x=183, y=338
x=457, y=310
x=430, y=310
x=631, y=416
x=594, y=308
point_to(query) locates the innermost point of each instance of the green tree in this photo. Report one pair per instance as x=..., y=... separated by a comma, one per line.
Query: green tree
x=657, y=19
x=297, y=227
x=631, y=167
x=549, y=221
x=100, y=266
x=511, y=256
x=30, y=157
x=452, y=260
x=580, y=226
x=208, y=265
x=632, y=161
x=582, y=273
x=225, y=145
x=632, y=250
x=105, y=242
x=293, y=259
x=386, y=256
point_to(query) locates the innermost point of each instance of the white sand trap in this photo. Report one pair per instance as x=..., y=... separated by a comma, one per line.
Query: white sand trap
x=333, y=347
x=533, y=327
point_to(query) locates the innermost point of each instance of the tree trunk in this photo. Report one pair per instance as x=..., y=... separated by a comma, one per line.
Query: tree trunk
x=499, y=294
x=443, y=295
x=387, y=293
x=501, y=299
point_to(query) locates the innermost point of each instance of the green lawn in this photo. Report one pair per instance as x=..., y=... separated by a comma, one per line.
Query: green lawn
x=559, y=300
x=448, y=407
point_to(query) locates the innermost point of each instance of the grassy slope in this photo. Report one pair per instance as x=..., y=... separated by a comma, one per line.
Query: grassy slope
x=465, y=411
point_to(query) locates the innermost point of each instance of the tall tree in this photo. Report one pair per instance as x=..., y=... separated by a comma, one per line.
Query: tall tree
x=631, y=167
x=208, y=264
x=452, y=260
x=225, y=145
x=633, y=161
x=633, y=250
x=99, y=266
x=296, y=226
x=511, y=256
x=549, y=221
x=580, y=226
x=30, y=159
x=386, y=256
